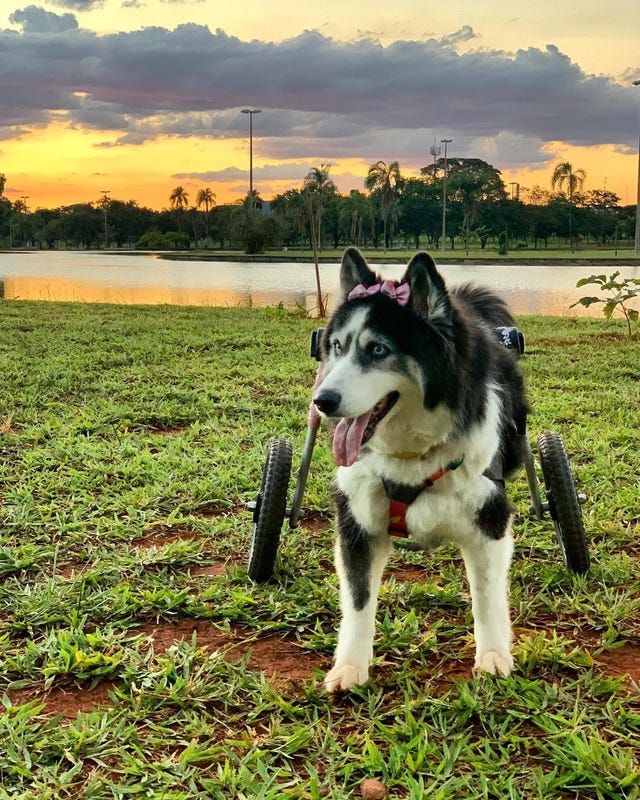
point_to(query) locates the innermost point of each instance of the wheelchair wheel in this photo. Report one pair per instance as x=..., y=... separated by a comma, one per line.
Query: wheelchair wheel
x=270, y=510
x=564, y=504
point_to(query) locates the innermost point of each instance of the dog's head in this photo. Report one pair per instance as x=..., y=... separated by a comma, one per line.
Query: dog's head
x=371, y=344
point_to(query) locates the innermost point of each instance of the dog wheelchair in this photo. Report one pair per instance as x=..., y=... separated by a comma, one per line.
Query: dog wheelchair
x=558, y=497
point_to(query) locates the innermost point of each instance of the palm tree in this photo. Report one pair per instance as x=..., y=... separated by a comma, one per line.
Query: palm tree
x=385, y=180
x=318, y=187
x=179, y=199
x=206, y=198
x=565, y=176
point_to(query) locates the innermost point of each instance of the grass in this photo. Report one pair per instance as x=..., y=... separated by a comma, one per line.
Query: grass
x=622, y=255
x=137, y=660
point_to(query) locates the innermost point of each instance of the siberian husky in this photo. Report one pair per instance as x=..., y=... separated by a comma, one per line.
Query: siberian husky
x=430, y=408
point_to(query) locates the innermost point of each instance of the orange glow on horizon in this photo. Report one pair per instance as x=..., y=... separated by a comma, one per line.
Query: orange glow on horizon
x=61, y=165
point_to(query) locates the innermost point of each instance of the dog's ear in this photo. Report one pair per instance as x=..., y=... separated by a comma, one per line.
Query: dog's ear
x=354, y=270
x=429, y=296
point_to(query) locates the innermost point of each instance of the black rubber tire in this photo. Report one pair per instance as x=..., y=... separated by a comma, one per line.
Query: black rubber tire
x=564, y=505
x=270, y=510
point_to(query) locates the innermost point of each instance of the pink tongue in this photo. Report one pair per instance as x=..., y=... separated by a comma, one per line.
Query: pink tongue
x=347, y=439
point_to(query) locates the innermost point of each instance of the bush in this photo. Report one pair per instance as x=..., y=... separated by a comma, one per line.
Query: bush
x=171, y=240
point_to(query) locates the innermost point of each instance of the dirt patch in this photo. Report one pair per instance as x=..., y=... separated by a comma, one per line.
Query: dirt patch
x=68, y=701
x=212, y=511
x=210, y=570
x=167, y=430
x=282, y=660
x=408, y=573
x=71, y=570
x=315, y=521
x=161, y=535
x=272, y=654
x=622, y=662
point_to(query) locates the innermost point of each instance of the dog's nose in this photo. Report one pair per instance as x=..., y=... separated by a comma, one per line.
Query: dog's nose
x=328, y=401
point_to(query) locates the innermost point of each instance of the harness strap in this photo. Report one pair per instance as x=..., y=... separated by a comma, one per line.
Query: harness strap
x=401, y=496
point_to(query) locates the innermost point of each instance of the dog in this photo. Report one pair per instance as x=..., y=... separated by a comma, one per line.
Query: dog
x=429, y=410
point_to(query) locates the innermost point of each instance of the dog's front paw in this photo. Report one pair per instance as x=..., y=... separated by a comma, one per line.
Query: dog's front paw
x=494, y=663
x=344, y=677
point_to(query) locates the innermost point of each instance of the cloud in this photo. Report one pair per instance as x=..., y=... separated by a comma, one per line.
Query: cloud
x=33, y=19
x=78, y=5
x=320, y=98
x=282, y=172
x=463, y=34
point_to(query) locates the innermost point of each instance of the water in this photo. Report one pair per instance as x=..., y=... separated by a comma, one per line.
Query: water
x=97, y=277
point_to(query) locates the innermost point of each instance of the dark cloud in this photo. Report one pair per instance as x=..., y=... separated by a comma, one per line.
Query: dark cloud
x=78, y=5
x=34, y=19
x=318, y=96
x=281, y=172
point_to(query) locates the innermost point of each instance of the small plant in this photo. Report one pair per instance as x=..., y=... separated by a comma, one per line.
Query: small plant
x=621, y=292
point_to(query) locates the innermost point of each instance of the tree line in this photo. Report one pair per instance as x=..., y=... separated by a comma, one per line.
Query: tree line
x=390, y=211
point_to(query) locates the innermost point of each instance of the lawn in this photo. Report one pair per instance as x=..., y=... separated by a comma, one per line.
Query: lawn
x=552, y=255
x=138, y=660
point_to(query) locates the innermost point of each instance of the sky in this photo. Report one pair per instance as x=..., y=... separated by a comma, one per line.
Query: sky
x=136, y=97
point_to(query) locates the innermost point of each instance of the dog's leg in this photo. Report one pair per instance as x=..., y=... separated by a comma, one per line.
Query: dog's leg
x=360, y=560
x=487, y=562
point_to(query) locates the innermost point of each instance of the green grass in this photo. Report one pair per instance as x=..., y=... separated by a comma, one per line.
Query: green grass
x=130, y=437
x=623, y=255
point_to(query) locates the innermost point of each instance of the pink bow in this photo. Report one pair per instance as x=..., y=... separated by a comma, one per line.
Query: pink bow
x=400, y=293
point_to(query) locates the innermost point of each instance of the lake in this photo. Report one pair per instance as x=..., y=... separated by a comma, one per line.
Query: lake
x=99, y=277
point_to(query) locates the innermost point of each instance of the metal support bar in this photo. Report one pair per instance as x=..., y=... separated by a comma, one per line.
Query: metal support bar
x=301, y=483
x=532, y=479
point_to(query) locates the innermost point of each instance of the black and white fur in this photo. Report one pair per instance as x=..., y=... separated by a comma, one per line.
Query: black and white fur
x=459, y=393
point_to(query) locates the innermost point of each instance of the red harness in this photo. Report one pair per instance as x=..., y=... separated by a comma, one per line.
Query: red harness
x=398, y=508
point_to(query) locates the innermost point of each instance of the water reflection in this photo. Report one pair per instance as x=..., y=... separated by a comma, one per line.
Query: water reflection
x=141, y=279
x=79, y=291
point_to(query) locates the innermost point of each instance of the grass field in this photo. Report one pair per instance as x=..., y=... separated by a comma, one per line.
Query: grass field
x=609, y=255
x=137, y=660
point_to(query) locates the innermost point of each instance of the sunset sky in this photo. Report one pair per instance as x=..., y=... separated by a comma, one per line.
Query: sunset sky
x=138, y=96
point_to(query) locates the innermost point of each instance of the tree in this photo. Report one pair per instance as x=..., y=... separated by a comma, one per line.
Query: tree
x=386, y=181
x=179, y=199
x=353, y=212
x=206, y=198
x=289, y=209
x=3, y=180
x=318, y=187
x=564, y=176
x=473, y=182
x=420, y=210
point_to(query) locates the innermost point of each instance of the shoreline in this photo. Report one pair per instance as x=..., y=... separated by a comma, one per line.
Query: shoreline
x=390, y=259
x=491, y=259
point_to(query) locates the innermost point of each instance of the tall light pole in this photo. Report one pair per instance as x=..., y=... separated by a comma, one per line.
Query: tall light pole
x=637, y=250
x=251, y=112
x=105, y=206
x=445, y=142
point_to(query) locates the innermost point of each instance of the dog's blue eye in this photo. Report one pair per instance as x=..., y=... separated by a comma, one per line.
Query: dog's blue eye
x=379, y=350
x=337, y=347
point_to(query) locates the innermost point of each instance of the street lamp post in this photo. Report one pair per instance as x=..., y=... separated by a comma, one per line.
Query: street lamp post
x=637, y=250
x=251, y=112
x=445, y=142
